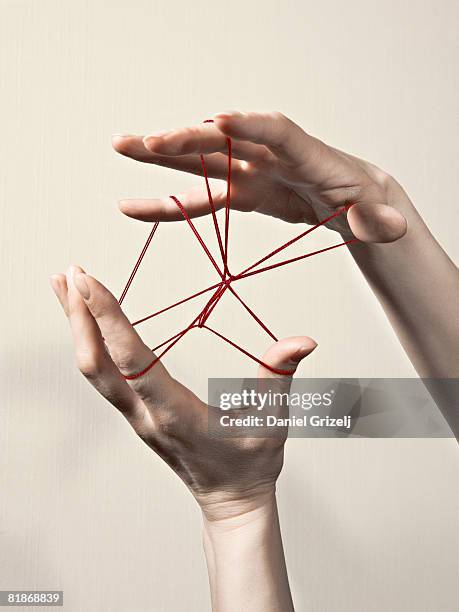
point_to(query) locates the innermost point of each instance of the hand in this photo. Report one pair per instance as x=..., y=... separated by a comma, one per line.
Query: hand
x=227, y=476
x=278, y=170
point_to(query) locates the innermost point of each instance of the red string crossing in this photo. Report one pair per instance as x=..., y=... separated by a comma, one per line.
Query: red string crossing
x=227, y=280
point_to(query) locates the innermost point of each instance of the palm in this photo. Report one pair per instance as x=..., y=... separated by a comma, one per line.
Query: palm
x=270, y=187
x=180, y=429
x=167, y=416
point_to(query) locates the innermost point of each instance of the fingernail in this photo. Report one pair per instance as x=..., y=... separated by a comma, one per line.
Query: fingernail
x=152, y=140
x=303, y=351
x=54, y=286
x=81, y=284
x=228, y=115
x=122, y=135
x=158, y=134
x=69, y=274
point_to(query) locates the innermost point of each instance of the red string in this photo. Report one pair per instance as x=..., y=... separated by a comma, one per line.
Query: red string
x=250, y=311
x=190, y=297
x=223, y=249
x=155, y=348
x=289, y=261
x=175, y=339
x=197, y=234
x=208, y=308
x=139, y=261
x=226, y=278
x=228, y=201
x=239, y=348
x=293, y=240
x=212, y=209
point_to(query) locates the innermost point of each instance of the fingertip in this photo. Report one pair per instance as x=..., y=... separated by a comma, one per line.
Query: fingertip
x=70, y=274
x=120, y=142
x=141, y=210
x=402, y=226
x=306, y=348
x=56, y=278
x=124, y=206
x=287, y=353
x=55, y=282
x=58, y=284
x=82, y=285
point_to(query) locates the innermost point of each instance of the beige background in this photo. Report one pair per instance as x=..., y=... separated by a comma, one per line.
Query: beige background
x=84, y=506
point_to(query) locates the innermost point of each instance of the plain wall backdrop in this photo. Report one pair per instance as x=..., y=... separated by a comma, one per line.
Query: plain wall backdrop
x=369, y=525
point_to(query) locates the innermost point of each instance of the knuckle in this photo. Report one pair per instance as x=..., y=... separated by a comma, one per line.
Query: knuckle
x=191, y=138
x=277, y=116
x=129, y=359
x=260, y=446
x=382, y=179
x=379, y=177
x=170, y=423
x=250, y=445
x=100, y=305
x=276, y=128
x=283, y=125
x=90, y=364
x=126, y=362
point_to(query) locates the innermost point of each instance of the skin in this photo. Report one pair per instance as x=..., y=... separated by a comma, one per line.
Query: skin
x=284, y=172
x=238, y=504
x=280, y=171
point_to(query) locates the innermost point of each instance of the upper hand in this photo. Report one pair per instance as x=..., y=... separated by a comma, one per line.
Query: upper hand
x=278, y=169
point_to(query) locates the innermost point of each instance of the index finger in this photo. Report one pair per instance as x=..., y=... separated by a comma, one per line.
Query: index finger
x=202, y=139
x=136, y=362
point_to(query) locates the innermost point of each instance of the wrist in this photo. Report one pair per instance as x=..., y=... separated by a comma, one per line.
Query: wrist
x=233, y=537
x=226, y=509
x=245, y=559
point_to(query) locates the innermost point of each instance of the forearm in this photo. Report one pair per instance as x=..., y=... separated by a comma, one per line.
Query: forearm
x=418, y=287
x=246, y=563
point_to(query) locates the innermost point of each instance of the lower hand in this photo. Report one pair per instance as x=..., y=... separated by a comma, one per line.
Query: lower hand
x=166, y=415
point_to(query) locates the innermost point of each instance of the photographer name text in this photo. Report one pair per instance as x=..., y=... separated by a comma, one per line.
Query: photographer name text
x=292, y=421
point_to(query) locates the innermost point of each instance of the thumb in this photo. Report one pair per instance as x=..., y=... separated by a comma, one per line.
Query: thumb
x=285, y=356
x=376, y=222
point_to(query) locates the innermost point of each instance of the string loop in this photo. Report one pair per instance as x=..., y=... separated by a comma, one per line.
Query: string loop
x=227, y=280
